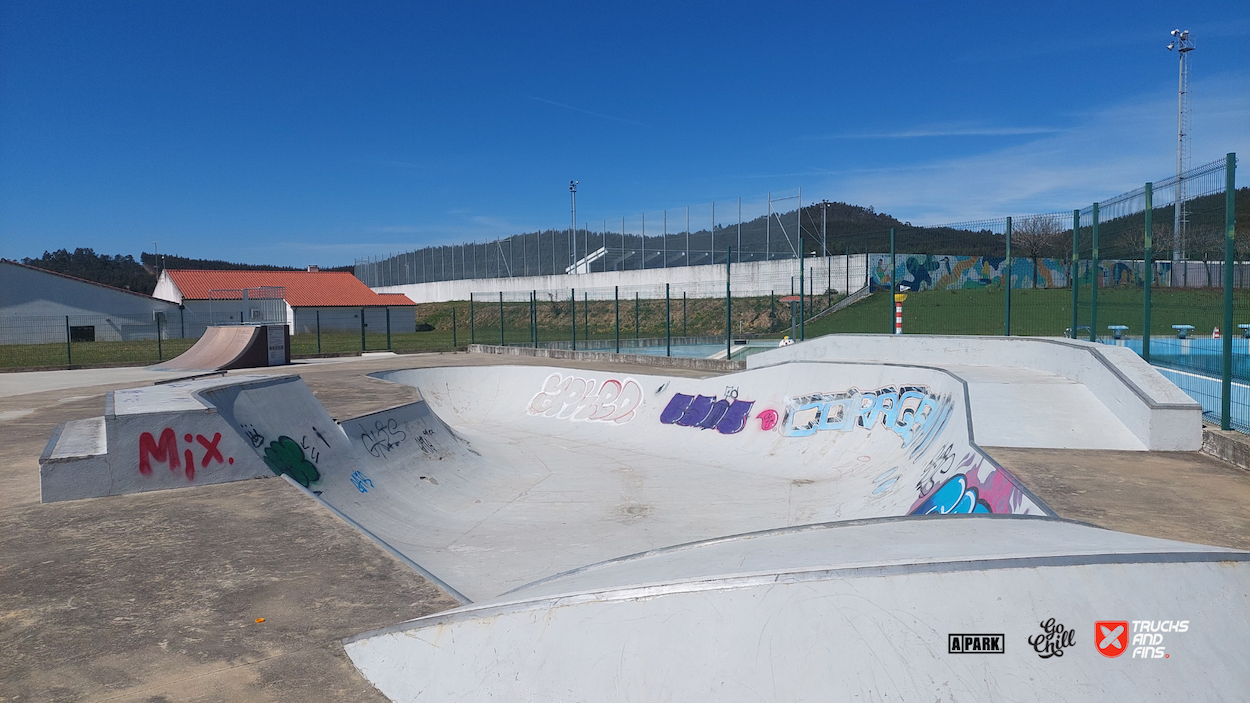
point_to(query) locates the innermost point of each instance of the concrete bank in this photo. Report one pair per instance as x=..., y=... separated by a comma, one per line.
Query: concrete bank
x=612, y=357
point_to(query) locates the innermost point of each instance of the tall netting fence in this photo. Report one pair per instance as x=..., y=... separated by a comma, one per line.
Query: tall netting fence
x=1145, y=269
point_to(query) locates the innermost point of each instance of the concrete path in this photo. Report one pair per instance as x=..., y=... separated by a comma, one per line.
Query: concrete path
x=1185, y=496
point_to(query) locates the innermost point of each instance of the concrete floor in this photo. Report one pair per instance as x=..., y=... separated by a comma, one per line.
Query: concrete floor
x=153, y=597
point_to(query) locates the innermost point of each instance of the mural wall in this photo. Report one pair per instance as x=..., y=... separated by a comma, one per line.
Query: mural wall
x=921, y=272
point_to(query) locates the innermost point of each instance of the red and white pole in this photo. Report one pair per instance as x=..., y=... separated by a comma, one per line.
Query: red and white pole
x=898, y=312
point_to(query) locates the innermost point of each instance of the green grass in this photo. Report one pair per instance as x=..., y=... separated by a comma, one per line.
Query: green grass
x=1033, y=312
x=91, y=353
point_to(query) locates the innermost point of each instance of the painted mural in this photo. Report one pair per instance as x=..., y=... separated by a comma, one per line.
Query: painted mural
x=921, y=272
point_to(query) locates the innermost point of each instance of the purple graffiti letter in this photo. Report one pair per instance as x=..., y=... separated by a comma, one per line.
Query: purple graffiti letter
x=675, y=408
x=735, y=418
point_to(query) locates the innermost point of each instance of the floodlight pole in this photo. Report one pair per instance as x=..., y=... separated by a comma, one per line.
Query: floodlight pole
x=1182, y=45
x=573, y=224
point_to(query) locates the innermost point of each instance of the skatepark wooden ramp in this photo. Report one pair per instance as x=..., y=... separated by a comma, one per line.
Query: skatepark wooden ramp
x=234, y=347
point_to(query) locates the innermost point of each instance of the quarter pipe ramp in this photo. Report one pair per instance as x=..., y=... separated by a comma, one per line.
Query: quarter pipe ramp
x=234, y=347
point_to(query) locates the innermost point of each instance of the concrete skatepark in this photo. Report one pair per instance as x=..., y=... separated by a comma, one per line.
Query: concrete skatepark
x=550, y=501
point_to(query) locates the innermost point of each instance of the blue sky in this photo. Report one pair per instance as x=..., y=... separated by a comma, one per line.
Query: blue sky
x=320, y=132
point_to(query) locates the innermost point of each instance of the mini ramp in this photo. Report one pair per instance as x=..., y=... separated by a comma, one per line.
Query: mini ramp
x=234, y=347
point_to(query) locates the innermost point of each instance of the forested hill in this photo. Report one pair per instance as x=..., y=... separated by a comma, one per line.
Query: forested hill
x=122, y=271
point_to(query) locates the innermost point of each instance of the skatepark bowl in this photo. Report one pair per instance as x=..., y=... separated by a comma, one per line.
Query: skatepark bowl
x=824, y=525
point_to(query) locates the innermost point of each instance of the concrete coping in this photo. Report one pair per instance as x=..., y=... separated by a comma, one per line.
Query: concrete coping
x=1155, y=391
x=612, y=357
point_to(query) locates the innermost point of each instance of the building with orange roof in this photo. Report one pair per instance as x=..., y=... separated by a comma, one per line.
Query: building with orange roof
x=303, y=300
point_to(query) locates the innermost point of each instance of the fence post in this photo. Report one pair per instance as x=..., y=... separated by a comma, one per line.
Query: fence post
x=362, y=330
x=729, y=301
x=1007, y=278
x=635, y=315
x=501, y=318
x=1076, y=267
x=1148, y=272
x=534, y=317
x=684, y=330
x=69, y=354
x=160, y=353
x=616, y=297
x=586, y=317
x=318, y=313
x=472, y=324
x=668, y=334
x=1230, y=226
x=1097, y=272
x=890, y=299
x=454, y=342
x=802, y=281
x=388, y=328
x=573, y=314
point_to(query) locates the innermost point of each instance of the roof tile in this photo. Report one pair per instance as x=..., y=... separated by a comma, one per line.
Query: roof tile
x=302, y=288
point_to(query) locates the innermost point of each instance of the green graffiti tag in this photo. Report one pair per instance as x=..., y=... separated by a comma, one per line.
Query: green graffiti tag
x=285, y=456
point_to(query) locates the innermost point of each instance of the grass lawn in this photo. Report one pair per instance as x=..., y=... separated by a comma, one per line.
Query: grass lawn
x=1034, y=312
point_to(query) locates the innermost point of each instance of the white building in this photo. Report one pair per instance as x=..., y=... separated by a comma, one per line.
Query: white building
x=38, y=306
x=303, y=300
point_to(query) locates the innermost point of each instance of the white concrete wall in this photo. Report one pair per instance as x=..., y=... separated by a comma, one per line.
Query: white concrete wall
x=1158, y=413
x=746, y=279
x=34, y=304
x=338, y=319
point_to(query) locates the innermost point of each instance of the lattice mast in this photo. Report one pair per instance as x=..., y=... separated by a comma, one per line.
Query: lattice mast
x=1182, y=45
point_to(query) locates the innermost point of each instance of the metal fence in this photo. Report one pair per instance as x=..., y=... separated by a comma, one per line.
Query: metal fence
x=766, y=229
x=1127, y=270
x=31, y=341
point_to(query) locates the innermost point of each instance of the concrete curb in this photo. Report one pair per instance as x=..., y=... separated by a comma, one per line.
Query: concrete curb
x=1231, y=447
x=612, y=357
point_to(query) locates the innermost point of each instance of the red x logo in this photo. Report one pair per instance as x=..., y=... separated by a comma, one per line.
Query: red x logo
x=1111, y=637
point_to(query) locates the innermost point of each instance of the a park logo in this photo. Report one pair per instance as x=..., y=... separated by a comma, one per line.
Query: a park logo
x=976, y=644
x=1111, y=637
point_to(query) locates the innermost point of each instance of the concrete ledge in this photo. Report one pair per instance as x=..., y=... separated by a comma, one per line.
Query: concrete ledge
x=1232, y=447
x=612, y=357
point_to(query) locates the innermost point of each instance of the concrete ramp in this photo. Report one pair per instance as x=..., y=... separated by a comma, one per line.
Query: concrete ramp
x=148, y=439
x=806, y=530
x=505, y=475
x=234, y=347
x=1035, y=392
x=961, y=608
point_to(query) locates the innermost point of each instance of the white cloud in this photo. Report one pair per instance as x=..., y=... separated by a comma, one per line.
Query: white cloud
x=1108, y=152
x=946, y=131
